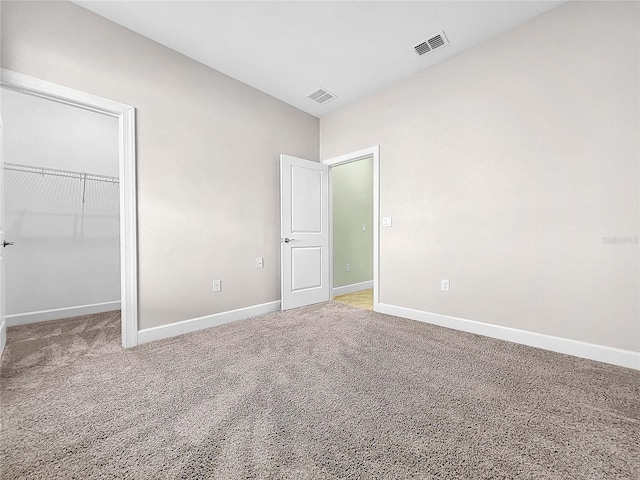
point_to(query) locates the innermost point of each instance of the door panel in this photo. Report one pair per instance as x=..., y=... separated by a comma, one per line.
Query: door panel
x=304, y=212
x=306, y=268
x=306, y=200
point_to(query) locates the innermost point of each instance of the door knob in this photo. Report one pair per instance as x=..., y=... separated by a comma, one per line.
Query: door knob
x=6, y=244
x=287, y=240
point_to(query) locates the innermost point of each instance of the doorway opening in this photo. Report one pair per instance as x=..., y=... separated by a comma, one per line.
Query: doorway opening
x=354, y=185
x=124, y=116
x=61, y=210
x=305, y=228
x=351, y=192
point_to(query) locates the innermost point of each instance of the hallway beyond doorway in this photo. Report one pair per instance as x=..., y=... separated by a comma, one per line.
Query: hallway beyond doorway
x=362, y=299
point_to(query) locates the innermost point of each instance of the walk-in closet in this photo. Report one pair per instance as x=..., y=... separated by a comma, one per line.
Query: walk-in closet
x=61, y=201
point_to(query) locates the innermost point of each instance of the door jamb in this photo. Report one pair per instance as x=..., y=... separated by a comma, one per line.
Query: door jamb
x=127, y=168
x=373, y=152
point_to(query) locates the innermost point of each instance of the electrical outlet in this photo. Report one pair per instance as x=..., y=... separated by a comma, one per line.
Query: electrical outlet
x=259, y=262
x=386, y=221
x=348, y=268
x=444, y=285
x=217, y=286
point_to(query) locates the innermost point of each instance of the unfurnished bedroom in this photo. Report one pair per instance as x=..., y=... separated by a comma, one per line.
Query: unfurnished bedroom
x=320, y=240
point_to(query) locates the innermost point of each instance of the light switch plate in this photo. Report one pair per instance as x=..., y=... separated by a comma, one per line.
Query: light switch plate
x=259, y=262
x=444, y=285
x=217, y=286
x=386, y=221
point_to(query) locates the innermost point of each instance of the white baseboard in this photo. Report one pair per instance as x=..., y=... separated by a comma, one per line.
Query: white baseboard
x=58, y=313
x=354, y=287
x=195, y=324
x=3, y=336
x=600, y=353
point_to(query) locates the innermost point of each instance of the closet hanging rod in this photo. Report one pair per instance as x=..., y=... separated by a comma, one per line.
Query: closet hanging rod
x=60, y=173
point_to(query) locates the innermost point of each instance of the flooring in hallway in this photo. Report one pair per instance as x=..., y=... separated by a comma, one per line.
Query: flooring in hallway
x=362, y=299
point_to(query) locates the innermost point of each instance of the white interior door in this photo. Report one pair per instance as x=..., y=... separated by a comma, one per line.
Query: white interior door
x=304, y=214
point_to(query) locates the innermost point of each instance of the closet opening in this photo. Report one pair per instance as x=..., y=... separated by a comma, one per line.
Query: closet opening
x=66, y=203
x=62, y=215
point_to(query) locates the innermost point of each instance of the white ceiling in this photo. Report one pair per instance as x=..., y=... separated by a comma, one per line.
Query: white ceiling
x=288, y=49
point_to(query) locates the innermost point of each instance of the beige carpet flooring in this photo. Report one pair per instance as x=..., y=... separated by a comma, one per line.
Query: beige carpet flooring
x=322, y=392
x=362, y=299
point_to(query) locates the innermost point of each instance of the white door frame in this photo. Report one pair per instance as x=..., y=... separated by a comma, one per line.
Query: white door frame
x=127, y=168
x=3, y=323
x=373, y=152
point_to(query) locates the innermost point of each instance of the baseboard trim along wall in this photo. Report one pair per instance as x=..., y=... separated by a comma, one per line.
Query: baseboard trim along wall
x=58, y=313
x=354, y=287
x=200, y=323
x=600, y=353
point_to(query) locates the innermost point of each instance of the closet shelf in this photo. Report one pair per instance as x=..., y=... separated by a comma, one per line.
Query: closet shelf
x=60, y=173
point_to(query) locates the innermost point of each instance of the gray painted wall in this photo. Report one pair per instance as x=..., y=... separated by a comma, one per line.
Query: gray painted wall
x=207, y=149
x=352, y=196
x=66, y=252
x=507, y=170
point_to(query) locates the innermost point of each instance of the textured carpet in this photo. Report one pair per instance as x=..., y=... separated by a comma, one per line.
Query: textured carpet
x=322, y=392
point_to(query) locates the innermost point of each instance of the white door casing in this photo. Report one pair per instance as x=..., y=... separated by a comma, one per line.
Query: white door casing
x=3, y=325
x=304, y=213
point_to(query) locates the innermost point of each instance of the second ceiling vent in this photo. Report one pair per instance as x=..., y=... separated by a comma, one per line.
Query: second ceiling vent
x=431, y=43
x=321, y=95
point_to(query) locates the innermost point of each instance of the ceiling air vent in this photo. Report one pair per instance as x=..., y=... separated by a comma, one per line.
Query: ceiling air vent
x=431, y=43
x=320, y=95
